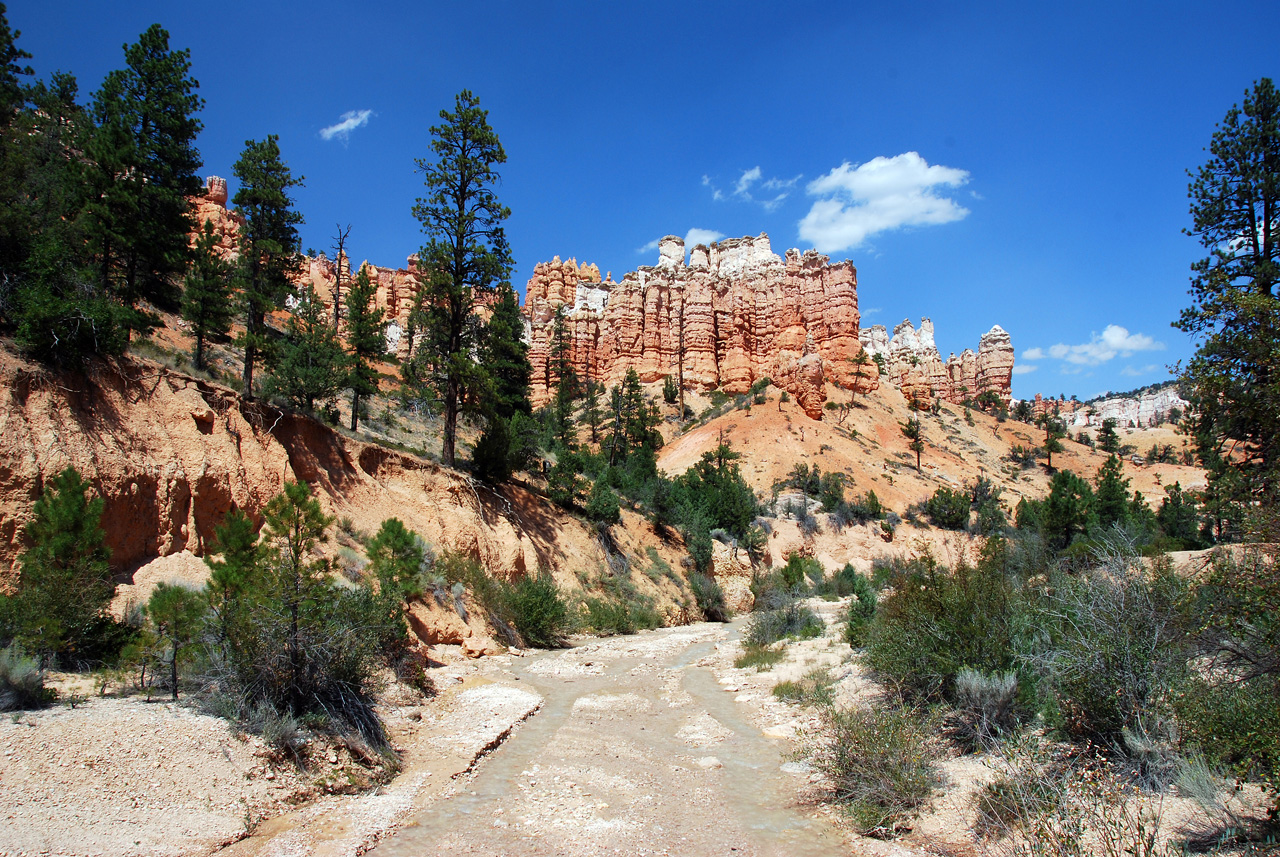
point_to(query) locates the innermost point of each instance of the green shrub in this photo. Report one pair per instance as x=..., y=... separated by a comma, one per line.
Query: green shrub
x=936, y=622
x=797, y=569
x=602, y=506
x=794, y=621
x=759, y=658
x=879, y=761
x=862, y=609
x=1113, y=645
x=21, y=681
x=948, y=509
x=537, y=611
x=709, y=596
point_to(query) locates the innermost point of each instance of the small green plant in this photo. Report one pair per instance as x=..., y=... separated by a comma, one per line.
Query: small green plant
x=759, y=658
x=813, y=688
x=795, y=621
x=21, y=681
x=948, y=509
x=709, y=596
x=879, y=761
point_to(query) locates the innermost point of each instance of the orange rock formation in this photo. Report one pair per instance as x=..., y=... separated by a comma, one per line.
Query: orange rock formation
x=735, y=313
x=912, y=362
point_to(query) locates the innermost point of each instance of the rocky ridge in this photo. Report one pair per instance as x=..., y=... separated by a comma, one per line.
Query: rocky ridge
x=734, y=313
x=1145, y=410
x=912, y=362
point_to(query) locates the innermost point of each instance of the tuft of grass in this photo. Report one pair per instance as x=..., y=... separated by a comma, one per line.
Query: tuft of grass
x=759, y=658
x=814, y=688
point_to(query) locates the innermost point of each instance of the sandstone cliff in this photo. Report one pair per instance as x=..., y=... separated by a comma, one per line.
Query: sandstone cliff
x=735, y=313
x=171, y=454
x=913, y=363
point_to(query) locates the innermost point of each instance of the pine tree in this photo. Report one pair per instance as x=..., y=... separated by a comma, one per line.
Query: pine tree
x=1232, y=380
x=1108, y=440
x=65, y=583
x=296, y=590
x=592, y=416
x=504, y=445
x=367, y=338
x=207, y=302
x=1054, y=431
x=1111, y=499
x=144, y=167
x=915, y=437
x=268, y=243
x=465, y=258
x=312, y=365
x=11, y=70
x=178, y=614
x=235, y=575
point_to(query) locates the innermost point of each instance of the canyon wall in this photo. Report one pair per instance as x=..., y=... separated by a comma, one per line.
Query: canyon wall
x=734, y=313
x=912, y=361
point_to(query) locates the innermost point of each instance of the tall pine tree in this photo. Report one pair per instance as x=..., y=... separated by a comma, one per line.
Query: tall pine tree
x=207, y=300
x=465, y=259
x=268, y=243
x=144, y=161
x=312, y=365
x=367, y=337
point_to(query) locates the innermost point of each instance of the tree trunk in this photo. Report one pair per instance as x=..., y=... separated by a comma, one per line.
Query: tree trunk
x=355, y=409
x=174, y=674
x=450, y=422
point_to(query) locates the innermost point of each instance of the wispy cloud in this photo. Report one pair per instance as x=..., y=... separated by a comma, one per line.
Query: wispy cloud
x=348, y=122
x=1023, y=369
x=1114, y=341
x=747, y=188
x=857, y=202
x=1131, y=372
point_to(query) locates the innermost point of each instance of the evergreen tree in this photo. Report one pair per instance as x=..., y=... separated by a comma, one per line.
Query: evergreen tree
x=207, y=302
x=1054, y=431
x=1111, y=499
x=144, y=163
x=395, y=557
x=367, y=337
x=915, y=437
x=592, y=415
x=504, y=446
x=11, y=70
x=178, y=614
x=312, y=365
x=268, y=243
x=465, y=258
x=1108, y=440
x=1232, y=381
x=1066, y=512
x=234, y=576
x=1178, y=517
x=65, y=583
x=561, y=365
x=296, y=593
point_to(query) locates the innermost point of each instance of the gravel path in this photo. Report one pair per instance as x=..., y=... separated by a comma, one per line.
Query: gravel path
x=639, y=748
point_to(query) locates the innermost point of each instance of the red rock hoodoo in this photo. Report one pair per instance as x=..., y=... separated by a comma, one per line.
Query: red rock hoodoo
x=736, y=310
x=912, y=362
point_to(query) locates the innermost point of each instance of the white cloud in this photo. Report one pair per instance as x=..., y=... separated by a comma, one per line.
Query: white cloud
x=701, y=236
x=347, y=123
x=872, y=310
x=1114, y=341
x=1023, y=369
x=692, y=237
x=779, y=189
x=882, y=194
x=743, y=187
x=1137, y=373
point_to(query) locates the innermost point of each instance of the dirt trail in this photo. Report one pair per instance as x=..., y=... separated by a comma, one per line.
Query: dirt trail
x=637, y=749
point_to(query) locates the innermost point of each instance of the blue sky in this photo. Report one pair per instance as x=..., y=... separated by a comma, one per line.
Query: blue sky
x=1018, y=163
